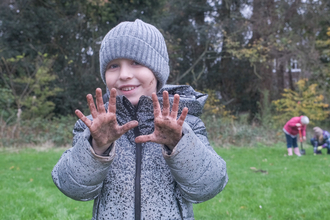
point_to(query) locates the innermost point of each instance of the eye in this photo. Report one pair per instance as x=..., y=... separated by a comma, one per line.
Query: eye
x=135, y=63
x=112, y=66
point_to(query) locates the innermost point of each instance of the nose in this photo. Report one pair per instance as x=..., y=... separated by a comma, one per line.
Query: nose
x=125, y=72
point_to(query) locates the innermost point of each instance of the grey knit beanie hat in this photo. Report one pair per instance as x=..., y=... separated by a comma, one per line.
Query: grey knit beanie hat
x=136, y=41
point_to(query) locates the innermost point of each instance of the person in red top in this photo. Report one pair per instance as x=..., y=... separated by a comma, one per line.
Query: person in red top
x=291, y=130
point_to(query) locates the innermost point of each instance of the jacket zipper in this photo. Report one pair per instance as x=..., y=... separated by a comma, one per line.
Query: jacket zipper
x=138, y=154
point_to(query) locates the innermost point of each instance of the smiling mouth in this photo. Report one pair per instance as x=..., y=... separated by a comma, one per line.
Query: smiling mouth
x=129, y=88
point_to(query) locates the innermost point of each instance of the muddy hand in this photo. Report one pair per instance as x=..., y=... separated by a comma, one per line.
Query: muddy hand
x=168, y=130
x=104, y=127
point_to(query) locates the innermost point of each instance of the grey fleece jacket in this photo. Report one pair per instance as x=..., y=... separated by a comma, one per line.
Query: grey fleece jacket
x=169, y=181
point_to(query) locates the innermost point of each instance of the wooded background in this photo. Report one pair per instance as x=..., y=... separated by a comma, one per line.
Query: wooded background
x=239, y=49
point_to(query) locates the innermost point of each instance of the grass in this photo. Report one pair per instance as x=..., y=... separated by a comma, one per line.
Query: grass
x=293, y=187
x=27, y=189
x=287, y=187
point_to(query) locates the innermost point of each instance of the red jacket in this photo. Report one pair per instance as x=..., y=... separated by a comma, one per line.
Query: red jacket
x=291, y=127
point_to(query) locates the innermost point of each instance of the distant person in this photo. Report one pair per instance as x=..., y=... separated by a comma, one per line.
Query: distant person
x=320, y=140
x=291, y=130
x=141, y=155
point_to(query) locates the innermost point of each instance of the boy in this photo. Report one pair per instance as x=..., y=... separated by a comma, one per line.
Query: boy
x=134, y=158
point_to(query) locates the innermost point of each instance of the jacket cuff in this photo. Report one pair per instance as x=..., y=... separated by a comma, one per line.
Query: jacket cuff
x=87, y=145
x=106, y=153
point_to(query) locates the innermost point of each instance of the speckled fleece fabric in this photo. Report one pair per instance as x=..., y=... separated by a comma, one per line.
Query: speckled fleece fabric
x=170, y=181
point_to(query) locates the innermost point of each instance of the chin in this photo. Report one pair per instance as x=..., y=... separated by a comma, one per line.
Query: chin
x=134, y=102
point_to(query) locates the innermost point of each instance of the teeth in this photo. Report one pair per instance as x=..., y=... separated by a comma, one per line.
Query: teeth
x=128, y=88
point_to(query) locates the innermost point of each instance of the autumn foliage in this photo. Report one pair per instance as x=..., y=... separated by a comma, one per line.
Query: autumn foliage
x=214, y=107
x=305, y=101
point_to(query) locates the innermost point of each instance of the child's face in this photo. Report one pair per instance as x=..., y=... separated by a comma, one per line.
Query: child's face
x=130, y=79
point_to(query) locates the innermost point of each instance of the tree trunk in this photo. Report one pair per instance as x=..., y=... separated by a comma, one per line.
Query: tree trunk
x=290, y=79
x=280, y=79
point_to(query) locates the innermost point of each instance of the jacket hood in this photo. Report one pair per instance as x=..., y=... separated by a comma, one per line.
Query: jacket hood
x=189, y=98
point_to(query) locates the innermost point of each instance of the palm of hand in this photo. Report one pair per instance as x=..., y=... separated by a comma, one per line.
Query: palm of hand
x=168, y=130
x=104, y=127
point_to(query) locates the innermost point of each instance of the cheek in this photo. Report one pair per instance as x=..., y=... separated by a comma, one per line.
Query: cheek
x=153, y=85
x=110, y=80
x=109, y=86
x=152, y=82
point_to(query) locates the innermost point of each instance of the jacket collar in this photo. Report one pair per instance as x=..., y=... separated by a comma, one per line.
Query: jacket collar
x=143, y=112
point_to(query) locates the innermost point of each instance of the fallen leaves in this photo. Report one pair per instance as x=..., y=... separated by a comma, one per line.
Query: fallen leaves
x=12, y=167
x=259, y=170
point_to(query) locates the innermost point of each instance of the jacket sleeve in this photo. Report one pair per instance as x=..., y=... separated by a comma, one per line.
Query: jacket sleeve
x=326, y=143
x=293, y=121
x=198, y=170
x=79, y=173
x=326, y=138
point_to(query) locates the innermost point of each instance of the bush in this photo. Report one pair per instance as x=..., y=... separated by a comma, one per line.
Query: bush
x=239, y=132
x=305, y=101
x=57, y=131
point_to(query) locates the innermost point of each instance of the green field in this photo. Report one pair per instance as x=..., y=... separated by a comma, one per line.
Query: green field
x=263, y=184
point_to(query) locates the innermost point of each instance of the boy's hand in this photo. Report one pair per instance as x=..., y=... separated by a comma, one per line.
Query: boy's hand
x=168, y=130
x=104, y=127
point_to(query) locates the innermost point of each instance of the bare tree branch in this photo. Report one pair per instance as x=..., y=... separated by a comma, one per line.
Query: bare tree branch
x=192, y=67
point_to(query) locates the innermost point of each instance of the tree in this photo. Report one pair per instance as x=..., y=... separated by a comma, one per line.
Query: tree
x=30, y=85
x=212, y=44
x=305, y=101
x=322, y=75
x=71, y=33
x=281, y=32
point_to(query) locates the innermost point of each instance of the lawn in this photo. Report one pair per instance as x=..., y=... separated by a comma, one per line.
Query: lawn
x=263, y=184
x=27, y=189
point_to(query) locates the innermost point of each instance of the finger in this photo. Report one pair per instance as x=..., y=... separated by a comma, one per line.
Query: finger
x=91, y=105
x=182, y=116
x=82, y=117
x=128, y=126
x=112, y=101
x=99, y=101
x=175, y=107
x=144, y=138
x=166, y=104
x=156, y=105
